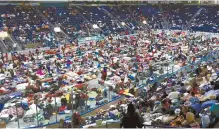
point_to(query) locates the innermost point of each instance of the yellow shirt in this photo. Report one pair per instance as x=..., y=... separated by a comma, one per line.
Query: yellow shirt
x=67, y=97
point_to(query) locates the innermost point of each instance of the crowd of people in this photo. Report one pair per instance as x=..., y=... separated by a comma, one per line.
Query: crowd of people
x=26, y=25
x=143, y=66
x=44, y=77
x=180, y=16
x=188, y=98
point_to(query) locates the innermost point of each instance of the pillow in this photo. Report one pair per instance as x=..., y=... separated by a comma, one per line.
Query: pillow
x=188, y=88
x=94, y=76
x=173, y=95
x=168, y=119
x=87, y=77
x=207, y=97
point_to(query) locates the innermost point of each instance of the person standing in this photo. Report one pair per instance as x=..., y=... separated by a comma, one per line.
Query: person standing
x=48, y=67
x=15, y=46
x=104, y=74
x=131, y=119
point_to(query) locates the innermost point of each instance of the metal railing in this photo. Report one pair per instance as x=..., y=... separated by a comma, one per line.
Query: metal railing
x=210, y=57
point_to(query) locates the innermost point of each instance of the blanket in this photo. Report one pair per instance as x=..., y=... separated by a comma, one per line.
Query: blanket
x=12, y=111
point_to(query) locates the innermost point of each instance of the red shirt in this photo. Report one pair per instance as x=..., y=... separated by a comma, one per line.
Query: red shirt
x=195, y=90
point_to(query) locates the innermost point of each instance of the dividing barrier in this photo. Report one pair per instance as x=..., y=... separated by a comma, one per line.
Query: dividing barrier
x=212, y=56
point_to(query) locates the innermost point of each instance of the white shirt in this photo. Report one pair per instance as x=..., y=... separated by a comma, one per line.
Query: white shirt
x=173, y=95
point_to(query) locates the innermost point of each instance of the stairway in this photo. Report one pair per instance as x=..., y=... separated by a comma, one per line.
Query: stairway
x=11, y=37
x=114, y=18
x=91, y=24
x=166, y=23
x=145, y=26
x=188, y=25
x=3, y=47
x=51, y=26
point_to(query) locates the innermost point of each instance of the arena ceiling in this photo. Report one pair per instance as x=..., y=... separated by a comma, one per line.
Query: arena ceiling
x=149, y=1
x=101, y=0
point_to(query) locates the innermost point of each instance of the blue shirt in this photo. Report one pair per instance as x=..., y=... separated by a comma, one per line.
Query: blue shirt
x=194, y=100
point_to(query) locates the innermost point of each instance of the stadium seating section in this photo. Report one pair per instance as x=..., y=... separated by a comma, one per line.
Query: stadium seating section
x=26, y=25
